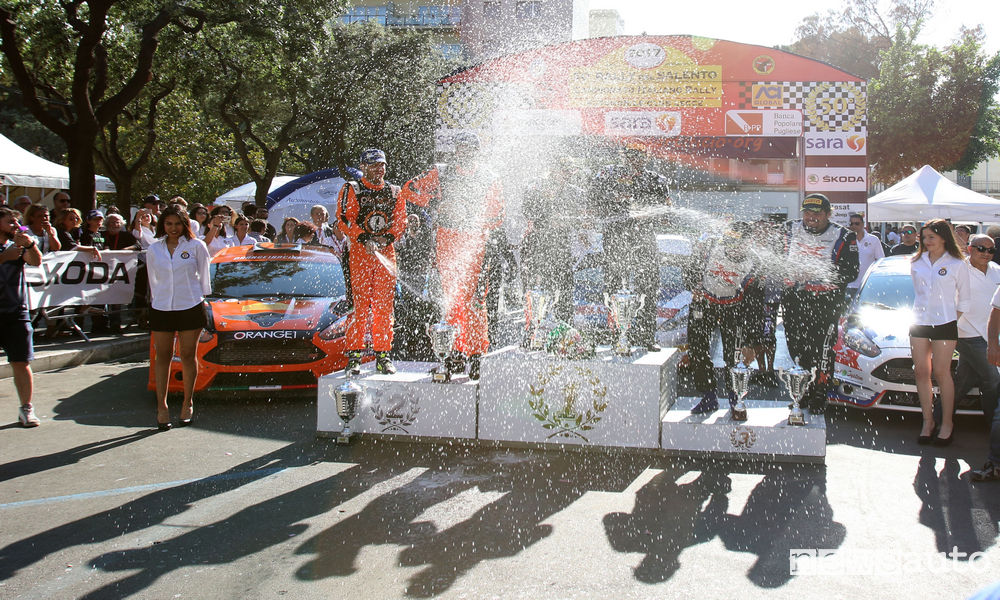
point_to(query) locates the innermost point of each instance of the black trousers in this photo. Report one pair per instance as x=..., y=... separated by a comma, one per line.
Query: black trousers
x=703, y=319
x=634, y=260
x=810, y=320
x=547, y=264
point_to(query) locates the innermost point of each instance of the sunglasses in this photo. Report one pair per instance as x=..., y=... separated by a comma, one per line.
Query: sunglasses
x=909, y=232
x=983, y=248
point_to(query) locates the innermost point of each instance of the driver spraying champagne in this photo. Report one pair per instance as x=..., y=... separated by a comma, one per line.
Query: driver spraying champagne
x=466, y=203
x=727, y=294
x=825, y=256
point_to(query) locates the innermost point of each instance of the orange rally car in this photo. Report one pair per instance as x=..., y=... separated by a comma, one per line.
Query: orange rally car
x=277, y=319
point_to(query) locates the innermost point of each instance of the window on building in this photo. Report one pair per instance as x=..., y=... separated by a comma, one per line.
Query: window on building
x=359, y=14
x=450, y=51
x=491, y=10
x=531, y=9
x=439, y=15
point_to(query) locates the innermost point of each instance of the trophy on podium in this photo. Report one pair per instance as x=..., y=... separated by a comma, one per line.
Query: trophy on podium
x=797, y=380
x=739, y=377
x=348, y=396
x=442, y=337
x=540, y=303
x=623, y=306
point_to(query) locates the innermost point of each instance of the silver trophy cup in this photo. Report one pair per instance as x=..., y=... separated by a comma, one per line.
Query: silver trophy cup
x=540, y=303
x=348, y=396
x=623, y=306
x=442, y=337
x=797, y=380
x=739, y=377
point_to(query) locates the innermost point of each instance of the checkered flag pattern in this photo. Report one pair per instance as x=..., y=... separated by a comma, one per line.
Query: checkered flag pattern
x=825, y=106
x=470, y=105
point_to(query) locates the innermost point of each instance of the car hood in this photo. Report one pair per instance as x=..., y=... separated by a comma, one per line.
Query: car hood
x=262, y=314
x=888, y=328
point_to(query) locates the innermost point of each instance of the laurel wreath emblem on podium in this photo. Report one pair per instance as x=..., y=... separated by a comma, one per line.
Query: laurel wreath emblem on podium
x=743, y=438
x=579, y=386
x=396, y=410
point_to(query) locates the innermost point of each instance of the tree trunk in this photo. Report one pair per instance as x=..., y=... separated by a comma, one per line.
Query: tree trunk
x=263, y=185
x=82, y=189
x=123, y=197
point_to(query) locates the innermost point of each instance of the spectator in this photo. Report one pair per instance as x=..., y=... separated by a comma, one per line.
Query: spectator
x=228, y=217
x=112, y=210
x=413, y=309
x=60, y=203
x=179, y=279
x=892, y=237
x=909, y=244
x=142, y=228
x=305, y=233
x=115, y=236
x=90, y=234
x=869, y=250
x=941, y=293
x=242, y=235
x=215, y=232
x=17, y=248
x=68, y=227
x=973, y=367
x=154, y=205
x=199, y=219
x=287, y=235
x=22, y=203
x=962, y=233
x=178, y=201
x=258, y=230
x=37, y=218
x=262, y=214
x=249, y=209
x=325, y=233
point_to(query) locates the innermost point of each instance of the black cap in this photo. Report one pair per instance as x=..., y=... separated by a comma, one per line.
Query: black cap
x=816, y=202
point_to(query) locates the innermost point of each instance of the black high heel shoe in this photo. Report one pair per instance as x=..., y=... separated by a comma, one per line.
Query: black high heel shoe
x=940, y=441
x=187, y=421
x=163, y=426
x=926, y=440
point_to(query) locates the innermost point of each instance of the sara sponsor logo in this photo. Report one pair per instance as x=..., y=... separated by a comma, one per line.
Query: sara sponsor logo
x=836, y=144
x=265, y=335
x=848, y=179
x=644, y=123
x=767, y=96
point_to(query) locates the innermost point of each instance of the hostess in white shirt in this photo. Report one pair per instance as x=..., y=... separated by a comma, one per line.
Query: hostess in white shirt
x=179, y=281
x=974, y=322
x=234, y=240
x=869, y=250
x=940, y=289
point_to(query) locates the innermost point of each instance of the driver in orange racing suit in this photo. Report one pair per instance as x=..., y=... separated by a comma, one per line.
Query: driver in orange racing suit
x=373, y=216
x=466, y=204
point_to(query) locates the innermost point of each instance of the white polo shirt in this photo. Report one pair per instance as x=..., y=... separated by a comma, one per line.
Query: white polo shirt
x=940, y=290
x=869, y=250
x=974, y=322
x=179, y=281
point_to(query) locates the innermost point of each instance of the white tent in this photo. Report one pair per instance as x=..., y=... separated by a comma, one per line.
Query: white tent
x=245, y=193
x=20, y=168
x=929, y=195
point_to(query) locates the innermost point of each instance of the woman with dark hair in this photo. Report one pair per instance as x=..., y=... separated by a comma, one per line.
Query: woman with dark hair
x=241, y=236
x=179, y=280
x=306, y=233
x=199, y=216
x=287, y=235
x=216, y=228
x=941, y=295
x=68, y=226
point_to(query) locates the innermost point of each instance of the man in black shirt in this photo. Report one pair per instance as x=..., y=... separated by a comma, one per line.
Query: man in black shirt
x=909, y=245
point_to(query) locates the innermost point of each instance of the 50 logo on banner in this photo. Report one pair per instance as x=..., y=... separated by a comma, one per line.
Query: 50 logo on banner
x=75, y=278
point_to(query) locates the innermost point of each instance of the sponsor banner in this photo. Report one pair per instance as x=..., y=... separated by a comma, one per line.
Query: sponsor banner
x=732, y=147
x=650, y=123
x=764, y=95
x=836, y=144
x=542, y=122
x=768, y=123
x=847, y=179
x=841, y=213
x=265, y=335
x=77, y=279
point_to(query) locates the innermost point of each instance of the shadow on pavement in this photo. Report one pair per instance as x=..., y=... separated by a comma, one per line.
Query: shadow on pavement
x=37, y=464
x=963, y=515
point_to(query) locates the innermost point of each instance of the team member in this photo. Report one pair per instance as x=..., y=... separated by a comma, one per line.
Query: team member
x=630, y=242
x=179, y=280
x=17, y=248
x=373, y=216
x=869, y=250
x=940, y=297
x=466, y=201
x=973, y=367
x=991, y=469
x=826, y=257
x=909, y=244
x=726, y=295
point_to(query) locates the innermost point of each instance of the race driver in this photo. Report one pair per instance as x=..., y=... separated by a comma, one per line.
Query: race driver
x=824, y=256
x=372, y=215
x=466, y=203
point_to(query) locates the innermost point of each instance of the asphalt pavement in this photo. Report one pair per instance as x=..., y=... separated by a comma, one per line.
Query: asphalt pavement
x=248, y=503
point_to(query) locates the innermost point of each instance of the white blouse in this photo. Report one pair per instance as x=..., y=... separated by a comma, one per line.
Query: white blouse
x=941, y=289
x=179, y=281
x=144, y=236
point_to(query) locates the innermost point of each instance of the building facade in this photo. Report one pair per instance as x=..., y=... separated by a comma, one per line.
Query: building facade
x=441, y=20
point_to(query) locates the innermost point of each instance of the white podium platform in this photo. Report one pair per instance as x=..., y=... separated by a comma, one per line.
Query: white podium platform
x=405, y=404
x=531, y=397
x=766, y=432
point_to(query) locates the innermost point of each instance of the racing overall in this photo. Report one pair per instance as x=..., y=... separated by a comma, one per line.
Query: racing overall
x=726, y=294
x=468, y=205
x=629, y=241
x=813, y=307
x=366, y=212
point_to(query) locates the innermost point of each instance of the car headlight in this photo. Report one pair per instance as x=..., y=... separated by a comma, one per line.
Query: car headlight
x=855, y=339
x=334, y=331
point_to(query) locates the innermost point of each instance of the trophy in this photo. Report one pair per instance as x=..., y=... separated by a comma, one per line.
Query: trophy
x=797, y=379
x=442, y=341
x=348, y=396
x=739, y=377
x=623, y=307
x=540, y=303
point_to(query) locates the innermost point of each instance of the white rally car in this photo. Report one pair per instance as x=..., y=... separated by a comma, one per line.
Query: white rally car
x=873, y=367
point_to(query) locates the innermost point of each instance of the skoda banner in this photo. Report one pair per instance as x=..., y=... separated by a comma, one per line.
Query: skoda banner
x=77, y=279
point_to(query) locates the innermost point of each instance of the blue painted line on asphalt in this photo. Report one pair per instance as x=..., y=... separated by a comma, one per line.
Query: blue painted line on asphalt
x=143, y=488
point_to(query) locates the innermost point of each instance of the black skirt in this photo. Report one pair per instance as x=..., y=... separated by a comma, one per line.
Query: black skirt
x=177, y=320
x=946, y=331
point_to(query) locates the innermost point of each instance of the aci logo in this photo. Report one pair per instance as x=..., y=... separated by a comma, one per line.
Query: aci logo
x=767, y=95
